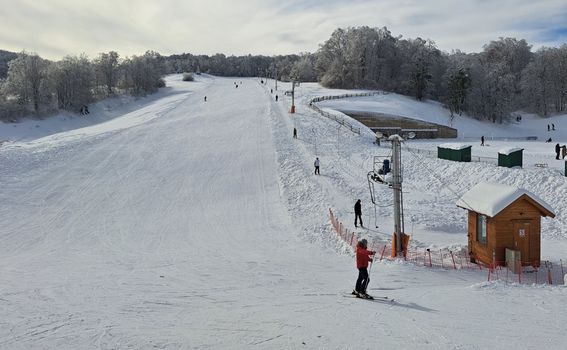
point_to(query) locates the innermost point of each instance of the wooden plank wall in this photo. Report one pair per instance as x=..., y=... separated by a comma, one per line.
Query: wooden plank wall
x=500, y=234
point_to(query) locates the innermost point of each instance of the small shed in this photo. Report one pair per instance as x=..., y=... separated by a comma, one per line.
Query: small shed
x=459, y=152
x=510, y=157
x=501, y=217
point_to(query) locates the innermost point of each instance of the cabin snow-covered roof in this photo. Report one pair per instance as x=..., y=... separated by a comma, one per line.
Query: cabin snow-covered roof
x=490, y=199
x=508, y=150
x=454, y=146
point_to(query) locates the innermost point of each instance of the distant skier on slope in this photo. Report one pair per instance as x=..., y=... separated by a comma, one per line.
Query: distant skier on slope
x=358, y=213
x=316, y=164
x=363, y=257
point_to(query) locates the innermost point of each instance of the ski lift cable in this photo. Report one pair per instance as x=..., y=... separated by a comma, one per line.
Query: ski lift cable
x=372, y=196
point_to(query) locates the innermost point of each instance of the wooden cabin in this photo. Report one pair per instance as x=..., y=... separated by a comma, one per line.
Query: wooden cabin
x=501, y=217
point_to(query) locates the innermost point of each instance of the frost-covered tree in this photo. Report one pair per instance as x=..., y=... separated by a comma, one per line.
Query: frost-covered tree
x=536, y=84
x=559, y=78
x=331, y=66
x=72, y=79
x=106, y=66
x=304, y=69
x=5, y=57
x=142, y=74
x=27, y=80
x=458, y=82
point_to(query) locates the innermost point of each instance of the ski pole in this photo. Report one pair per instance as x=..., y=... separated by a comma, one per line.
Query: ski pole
x=369, y=271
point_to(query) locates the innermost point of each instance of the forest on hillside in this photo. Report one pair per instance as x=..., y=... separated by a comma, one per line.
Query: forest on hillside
x=507, y=76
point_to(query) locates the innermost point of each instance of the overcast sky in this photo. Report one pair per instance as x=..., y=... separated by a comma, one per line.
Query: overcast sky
x=55, y=28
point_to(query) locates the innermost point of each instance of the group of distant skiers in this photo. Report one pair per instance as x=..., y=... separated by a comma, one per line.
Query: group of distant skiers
x=560, y=151
x=552, y=129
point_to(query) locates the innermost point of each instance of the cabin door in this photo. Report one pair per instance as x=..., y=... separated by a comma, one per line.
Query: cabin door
x=522, y=239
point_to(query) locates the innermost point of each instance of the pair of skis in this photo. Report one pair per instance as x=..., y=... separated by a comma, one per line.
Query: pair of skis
x=368, y=297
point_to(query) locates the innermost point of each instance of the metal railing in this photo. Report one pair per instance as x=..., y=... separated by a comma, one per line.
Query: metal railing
x=338, y=119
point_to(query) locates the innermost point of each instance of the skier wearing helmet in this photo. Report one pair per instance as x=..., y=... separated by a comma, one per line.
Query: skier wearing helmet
x=363, y=257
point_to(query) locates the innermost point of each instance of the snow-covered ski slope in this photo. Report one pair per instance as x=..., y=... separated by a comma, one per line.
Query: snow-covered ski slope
x=186, y=224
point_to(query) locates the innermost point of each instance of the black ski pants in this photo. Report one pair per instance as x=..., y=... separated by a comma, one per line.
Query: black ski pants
x=362, y=281
x=357, y=217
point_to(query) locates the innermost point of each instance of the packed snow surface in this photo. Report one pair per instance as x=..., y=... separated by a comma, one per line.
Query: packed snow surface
x=172, y=223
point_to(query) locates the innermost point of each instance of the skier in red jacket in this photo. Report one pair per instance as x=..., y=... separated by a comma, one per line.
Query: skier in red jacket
x=363, y=257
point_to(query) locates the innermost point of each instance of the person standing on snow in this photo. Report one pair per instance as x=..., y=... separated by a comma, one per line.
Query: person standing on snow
x=358, y=213
x=557, y=150
x=482, y=140
x=363, y=257
x=316, y=164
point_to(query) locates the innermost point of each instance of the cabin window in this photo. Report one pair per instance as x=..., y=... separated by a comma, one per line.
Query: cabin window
x=481, y=228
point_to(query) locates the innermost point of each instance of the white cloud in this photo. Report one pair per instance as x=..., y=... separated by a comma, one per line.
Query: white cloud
x=54, y=28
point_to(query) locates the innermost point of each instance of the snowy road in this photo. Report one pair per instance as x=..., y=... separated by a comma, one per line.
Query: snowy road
x=179, y=231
